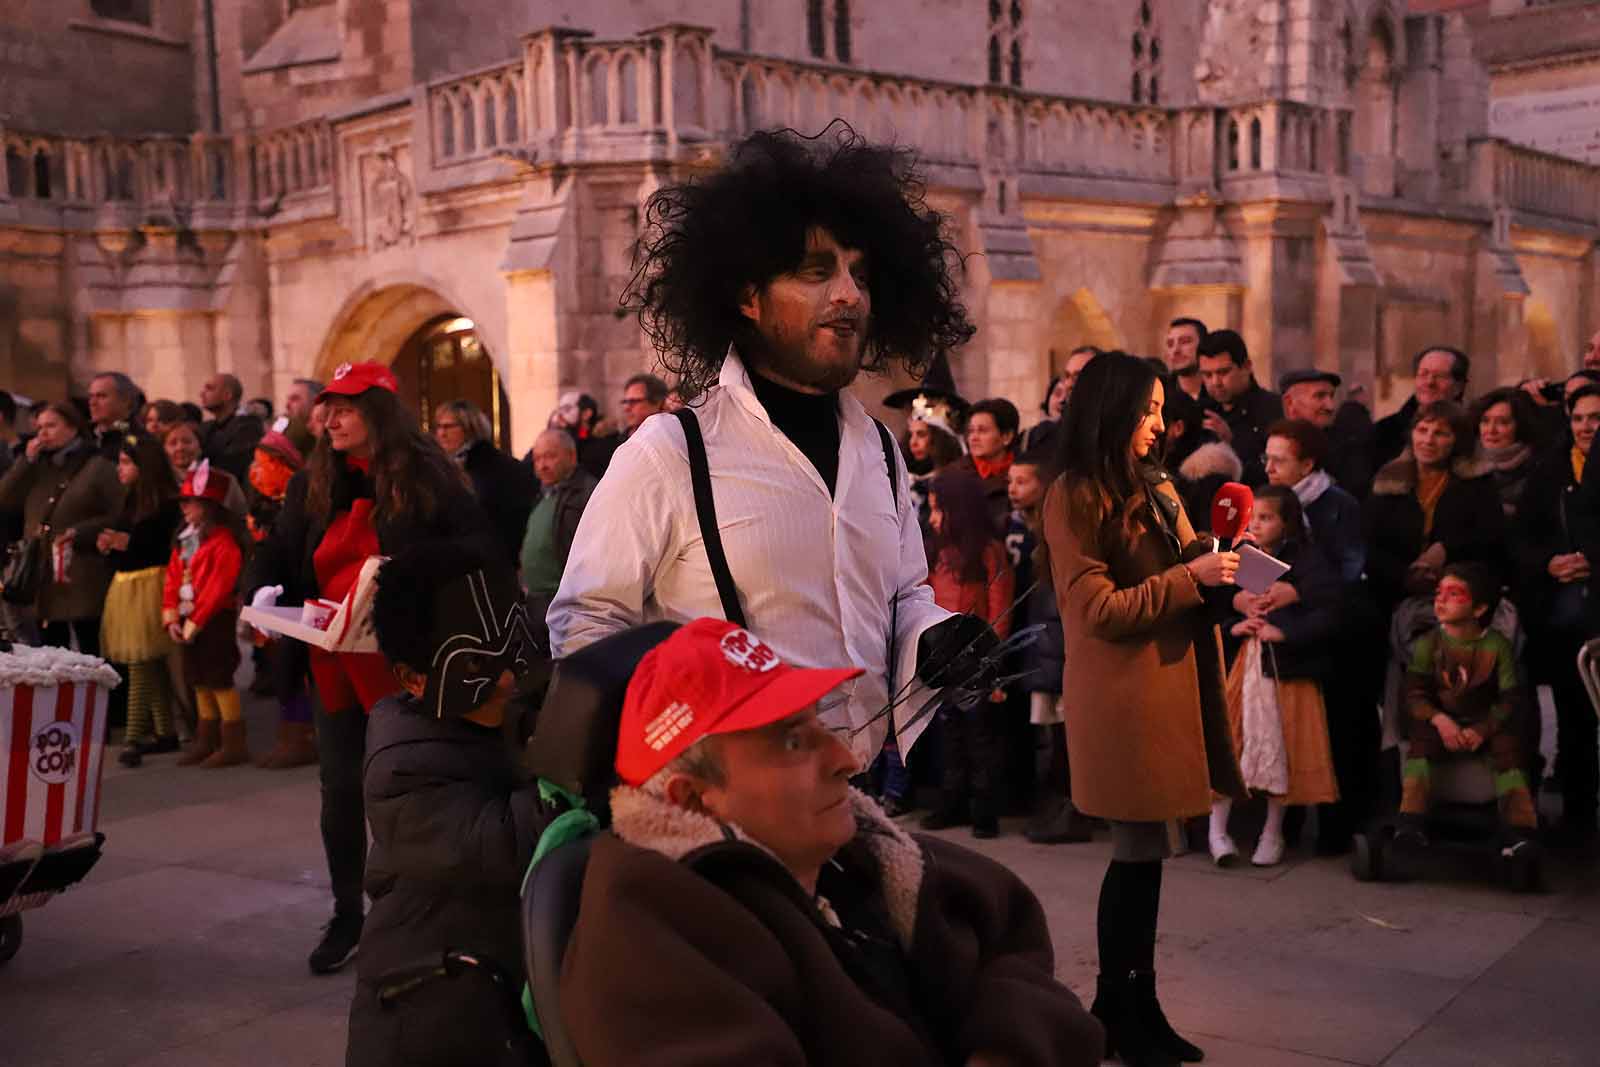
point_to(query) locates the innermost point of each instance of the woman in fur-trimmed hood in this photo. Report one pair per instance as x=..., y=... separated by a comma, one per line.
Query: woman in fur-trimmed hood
x=1432, y=506
x=748, y=906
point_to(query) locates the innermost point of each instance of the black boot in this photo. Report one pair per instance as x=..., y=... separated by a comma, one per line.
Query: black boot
x=1155, y=1020
x=1128, y=1035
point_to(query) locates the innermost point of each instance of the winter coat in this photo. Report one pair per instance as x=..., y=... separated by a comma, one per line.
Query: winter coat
x=1391, y=435
x=212, y=574
x=1205, y=471
x=90, y=501
x=1249, y=418
x=1468, y=522
x=572, y=496
x=739, y=965
x=1335, y=521
x=1145, y=708
x=995, y=491
x=1557, y=612
x=990, y=598
x=453, y=829
x=230, y=443
x=506, y=491
x=1310, y=625
x=149, y=539
x=1045, y=659
x=1352, y=442
x=286, y=557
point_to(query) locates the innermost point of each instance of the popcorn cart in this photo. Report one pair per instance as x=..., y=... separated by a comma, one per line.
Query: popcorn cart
x=52, y=742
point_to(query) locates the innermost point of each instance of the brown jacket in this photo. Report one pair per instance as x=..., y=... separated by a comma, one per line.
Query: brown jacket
x=695, y=947
x=1146, y=717
x=91, y=501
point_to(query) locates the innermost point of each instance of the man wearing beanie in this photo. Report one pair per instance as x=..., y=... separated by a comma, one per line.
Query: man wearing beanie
x=768, y=913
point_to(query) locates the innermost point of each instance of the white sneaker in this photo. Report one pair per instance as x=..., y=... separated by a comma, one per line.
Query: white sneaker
x=1224, y=853
x=1269, y=851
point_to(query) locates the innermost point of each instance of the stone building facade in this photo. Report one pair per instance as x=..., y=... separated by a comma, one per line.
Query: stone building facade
x=273, y=187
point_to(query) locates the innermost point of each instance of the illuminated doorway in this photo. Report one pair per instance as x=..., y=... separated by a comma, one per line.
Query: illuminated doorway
x=445, y=361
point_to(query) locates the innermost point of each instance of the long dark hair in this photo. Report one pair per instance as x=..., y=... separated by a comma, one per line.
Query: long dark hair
x=705, y=242
x=968, y=529
x=1111, y=397
x=156, y=485
x=411, y=474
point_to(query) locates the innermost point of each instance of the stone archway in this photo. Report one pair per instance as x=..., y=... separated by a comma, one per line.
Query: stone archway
x=432, y=342
x=1079, y=319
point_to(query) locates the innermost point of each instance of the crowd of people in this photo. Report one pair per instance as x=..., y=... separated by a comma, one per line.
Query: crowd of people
x=1040, y=600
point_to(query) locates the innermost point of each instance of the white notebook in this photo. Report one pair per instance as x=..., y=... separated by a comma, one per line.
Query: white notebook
x=1257, y=570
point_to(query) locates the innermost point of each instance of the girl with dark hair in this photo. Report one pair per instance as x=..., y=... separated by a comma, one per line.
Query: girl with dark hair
x=1275, y=705
x=1147, y=726
x=375, y=484
x=1507, y=432
x=137, y=546
x=970, y=574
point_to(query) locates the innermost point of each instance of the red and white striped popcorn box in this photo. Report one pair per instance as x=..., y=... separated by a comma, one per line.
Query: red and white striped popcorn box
x=51, y=749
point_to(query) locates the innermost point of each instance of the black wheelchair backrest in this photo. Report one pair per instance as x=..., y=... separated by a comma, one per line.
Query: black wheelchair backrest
x=549, y=912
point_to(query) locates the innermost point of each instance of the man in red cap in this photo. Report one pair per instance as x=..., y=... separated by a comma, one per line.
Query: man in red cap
x=768, y=913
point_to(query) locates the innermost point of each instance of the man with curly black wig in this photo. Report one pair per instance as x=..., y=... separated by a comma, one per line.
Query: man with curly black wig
x=766, y=288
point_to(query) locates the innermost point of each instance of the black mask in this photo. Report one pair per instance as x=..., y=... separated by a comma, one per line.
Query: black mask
x=480, y=629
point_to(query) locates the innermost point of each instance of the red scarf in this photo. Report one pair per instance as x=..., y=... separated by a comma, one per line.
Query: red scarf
x=992, y=468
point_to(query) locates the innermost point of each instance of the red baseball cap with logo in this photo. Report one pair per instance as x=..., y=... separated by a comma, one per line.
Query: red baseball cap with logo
x=710, y=677
x=353, y=379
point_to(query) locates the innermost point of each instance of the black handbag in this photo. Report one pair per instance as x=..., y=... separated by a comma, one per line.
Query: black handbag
x=28, y=559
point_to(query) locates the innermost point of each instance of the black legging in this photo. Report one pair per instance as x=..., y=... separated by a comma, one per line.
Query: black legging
x=341, y=750
x=60, y=634
x=1125, y=925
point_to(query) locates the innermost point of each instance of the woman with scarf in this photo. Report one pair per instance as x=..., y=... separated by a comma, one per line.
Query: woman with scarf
x=1508, y=442
x=67, y=493
x=1147, y=724
x=375, y=484
x=992, y=428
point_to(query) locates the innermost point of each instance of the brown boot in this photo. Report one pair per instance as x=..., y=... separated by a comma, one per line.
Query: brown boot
x=297, y=749
x=205, y=741
x=269, y=760
x=234, y=751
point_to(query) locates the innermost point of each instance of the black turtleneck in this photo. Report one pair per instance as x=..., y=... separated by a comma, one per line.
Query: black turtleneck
x=810, y=421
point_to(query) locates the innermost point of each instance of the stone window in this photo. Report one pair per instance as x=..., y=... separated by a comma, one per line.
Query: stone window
x=818, y=25
x=16, y=173
x=123, y=10
x=1145, y=46
x=1007, y=37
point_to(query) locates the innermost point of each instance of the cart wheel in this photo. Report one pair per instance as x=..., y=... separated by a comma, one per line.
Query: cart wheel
x=10, y=936
x=1365, y=859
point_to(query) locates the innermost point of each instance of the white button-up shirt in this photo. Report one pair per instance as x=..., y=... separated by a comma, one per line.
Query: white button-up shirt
x=818, y=574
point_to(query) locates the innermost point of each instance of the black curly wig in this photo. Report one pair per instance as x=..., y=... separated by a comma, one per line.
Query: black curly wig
x=705, y=241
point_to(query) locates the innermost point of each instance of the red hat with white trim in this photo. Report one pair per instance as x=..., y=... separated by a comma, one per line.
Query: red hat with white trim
x=353, y=379
x=206, y=483
x=709, y=677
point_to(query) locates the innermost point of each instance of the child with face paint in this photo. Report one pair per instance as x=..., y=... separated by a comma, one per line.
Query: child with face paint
x=454, y=823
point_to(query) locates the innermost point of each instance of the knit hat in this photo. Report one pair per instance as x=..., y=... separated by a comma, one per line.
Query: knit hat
x=290, y=440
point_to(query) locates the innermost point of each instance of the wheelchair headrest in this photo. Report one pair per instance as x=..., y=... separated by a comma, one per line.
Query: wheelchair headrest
x=574, y=742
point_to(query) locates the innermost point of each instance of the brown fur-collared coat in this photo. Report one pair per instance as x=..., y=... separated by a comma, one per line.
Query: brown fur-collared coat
x=1147, y=722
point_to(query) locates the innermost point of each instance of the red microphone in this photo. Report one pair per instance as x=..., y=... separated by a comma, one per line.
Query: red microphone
x=1231, y=509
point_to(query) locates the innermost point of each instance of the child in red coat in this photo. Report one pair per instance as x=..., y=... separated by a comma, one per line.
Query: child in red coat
x=200, y=606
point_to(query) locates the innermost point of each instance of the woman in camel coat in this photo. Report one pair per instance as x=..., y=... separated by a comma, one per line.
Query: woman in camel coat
x=1147, y=728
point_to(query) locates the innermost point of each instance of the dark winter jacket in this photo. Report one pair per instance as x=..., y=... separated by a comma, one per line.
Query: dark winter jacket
x=89, y=498
x=572, y=496
x=740, y=965
x=1547, y=527
x=230, y=443
x=1308, y=626
x=1392, y=433
x=995, y=493
x=1249, y=418
x=1468, y=522
x=1205, y=471
x=1352, y=442
x=453, y=829
x=149, y=539
x=506, y=491
x=1335, y=520
x=285, y=557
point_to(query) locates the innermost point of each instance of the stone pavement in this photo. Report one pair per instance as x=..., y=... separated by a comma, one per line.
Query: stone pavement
x=186, y=946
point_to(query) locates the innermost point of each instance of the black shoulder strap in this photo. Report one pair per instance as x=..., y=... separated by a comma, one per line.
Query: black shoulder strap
x=889, y=450
x=705, y=507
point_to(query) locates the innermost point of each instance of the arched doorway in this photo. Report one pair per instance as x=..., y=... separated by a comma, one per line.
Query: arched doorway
x=445, y=360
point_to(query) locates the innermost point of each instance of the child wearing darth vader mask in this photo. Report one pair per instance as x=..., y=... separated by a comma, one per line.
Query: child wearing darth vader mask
x=453, y=822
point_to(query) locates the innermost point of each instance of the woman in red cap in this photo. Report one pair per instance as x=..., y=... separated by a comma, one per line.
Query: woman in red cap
x=200, y=607
x=374, y=484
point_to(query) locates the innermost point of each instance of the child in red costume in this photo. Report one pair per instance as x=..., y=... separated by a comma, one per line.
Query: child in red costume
x=200, y=606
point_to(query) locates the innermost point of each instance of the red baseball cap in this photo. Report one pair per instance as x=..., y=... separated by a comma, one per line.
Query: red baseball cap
x=353, y=379
x=710, y=677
